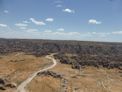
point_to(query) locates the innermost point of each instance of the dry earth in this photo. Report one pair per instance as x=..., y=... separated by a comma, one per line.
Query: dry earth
x=88, y=79
x=16, y=67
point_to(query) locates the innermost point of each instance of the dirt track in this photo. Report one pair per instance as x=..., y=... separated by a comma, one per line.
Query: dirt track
x=21, y=87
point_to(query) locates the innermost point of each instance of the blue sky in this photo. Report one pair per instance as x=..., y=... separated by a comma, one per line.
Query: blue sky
x=85, y=20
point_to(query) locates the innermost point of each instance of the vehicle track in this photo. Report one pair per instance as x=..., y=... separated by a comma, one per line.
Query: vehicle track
x=22, y=86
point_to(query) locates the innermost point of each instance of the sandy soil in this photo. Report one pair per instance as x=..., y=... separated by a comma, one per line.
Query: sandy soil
x=22, y=86
x=89, y=79
x=16, y=67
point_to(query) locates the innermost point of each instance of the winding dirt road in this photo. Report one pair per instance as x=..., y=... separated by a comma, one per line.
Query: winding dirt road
x=21, y=87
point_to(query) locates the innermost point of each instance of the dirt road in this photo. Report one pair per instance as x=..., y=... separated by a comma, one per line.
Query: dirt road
x=21, y=87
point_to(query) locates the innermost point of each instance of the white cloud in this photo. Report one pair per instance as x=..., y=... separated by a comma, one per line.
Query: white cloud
x=61, y=35
x=3, y=25
x=66, y=33
x=40, y=23
x=26, y=22
x=58, y=1
x=61, y=29
x=21, y=25
x=23, y=28
x=100, y=34
x=61, y=32
x=48, y=31
x=32, y=30
x=74, y=33
x=6, y=11
x=59, y=5
x=67, y=10
x=94, y=21
x=117, y=32
x=49, y=20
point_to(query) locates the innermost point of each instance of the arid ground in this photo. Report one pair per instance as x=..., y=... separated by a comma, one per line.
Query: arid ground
x=81, y=66
x=16, y=67
x=88, y=79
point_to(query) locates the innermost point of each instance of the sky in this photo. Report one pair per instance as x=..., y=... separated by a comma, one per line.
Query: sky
x=84, y=20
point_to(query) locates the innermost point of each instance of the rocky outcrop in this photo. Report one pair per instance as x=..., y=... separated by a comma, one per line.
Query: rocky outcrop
x=51, y=73
x=64, y=81
x=11, y=85
x=4, y=84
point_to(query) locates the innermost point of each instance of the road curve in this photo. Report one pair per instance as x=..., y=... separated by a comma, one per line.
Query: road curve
x=21, y=87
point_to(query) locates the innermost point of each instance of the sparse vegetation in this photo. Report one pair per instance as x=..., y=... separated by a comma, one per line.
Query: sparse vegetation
x=86, y=53
x=92, y=79
x=16, y=67
x=85, y=66
x=79, y=61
